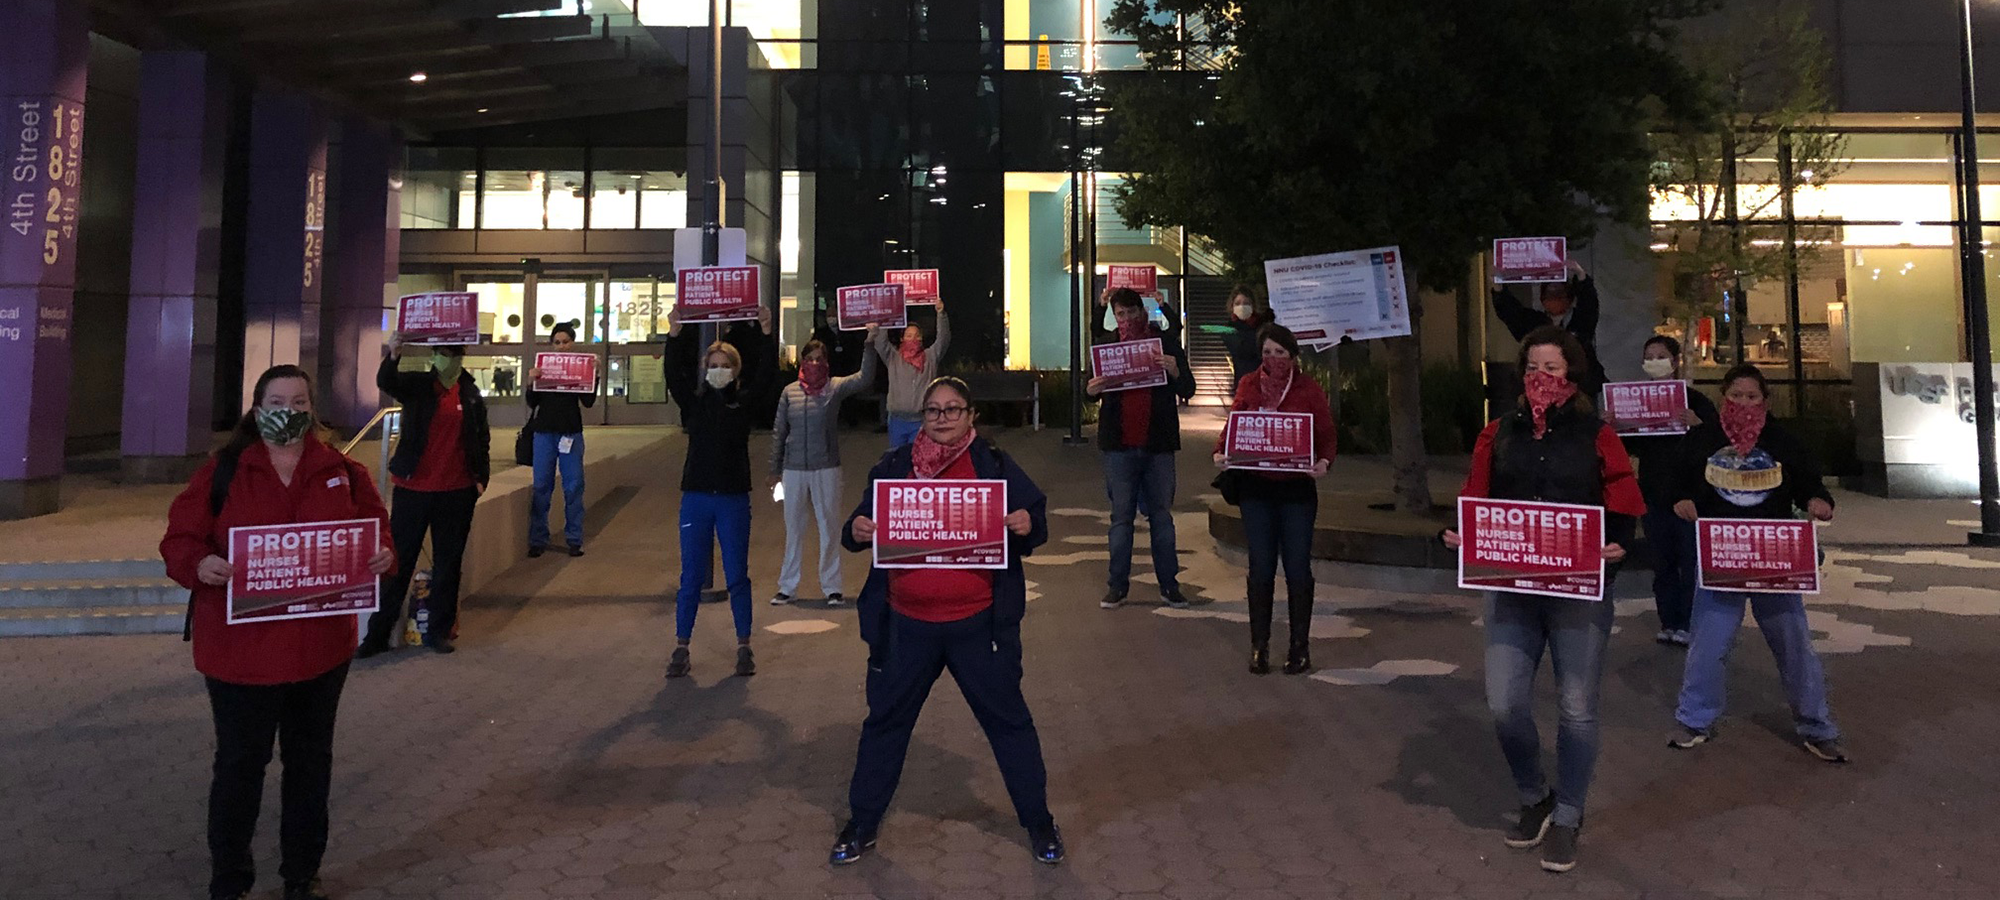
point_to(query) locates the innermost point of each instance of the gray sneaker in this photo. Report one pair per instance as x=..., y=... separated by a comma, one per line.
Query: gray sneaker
x=1112, y=600
x=1559, y=850
x=1533, y=825
x=1829, y=750
x=1685, y=738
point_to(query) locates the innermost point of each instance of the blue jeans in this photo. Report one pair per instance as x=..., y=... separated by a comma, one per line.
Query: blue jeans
x=1672, y=540
x=705, y=518
x=903, y=431
x=1518, y=627
x=1132, y=478
x=1718, y=616
x=548, y=461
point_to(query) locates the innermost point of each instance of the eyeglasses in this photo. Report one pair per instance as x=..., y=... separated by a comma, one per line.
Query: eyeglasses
x=946, y=413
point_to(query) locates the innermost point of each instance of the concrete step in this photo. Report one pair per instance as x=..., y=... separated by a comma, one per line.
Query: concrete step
x=81, y=570
x=91, y=594
x=50, y=621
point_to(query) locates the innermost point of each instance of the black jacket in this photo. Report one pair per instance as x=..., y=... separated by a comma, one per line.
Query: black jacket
x=417, y=393
x=1520, y=318
x=1163, y=429
x=557, y=412
x=1566, y=465
x=1659, y=455
x=1801, y=482
x=718, y=421
x=1010, y=585
x=1246, y=353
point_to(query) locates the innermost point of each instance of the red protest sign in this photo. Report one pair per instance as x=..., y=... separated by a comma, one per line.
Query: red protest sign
x=302, y=571
x=1763, y=556
x=444, y=318
x=1144, y=279
x=919, y=285
x=717, y=294
x=940, y=524
x=1268, y=441
x=1551, y=549
x=1530, y=260
x=1646, y=407
x=1129, y=365
x=871, y=304
x=567, y=373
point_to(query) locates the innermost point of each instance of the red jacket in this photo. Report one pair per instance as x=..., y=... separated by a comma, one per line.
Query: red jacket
x=326, y=487
x=1304, y=396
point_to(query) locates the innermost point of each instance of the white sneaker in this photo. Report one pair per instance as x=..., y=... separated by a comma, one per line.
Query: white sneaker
x=1682, y=638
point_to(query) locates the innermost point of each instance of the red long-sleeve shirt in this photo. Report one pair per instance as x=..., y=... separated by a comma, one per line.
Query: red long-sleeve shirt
x=324, y=488
x=1621, y=486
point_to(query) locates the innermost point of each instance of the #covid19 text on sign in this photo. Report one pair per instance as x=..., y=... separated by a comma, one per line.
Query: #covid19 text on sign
x=1129, y=365
x=566, y=373
x=919, y=285
x=717, y=294
x=1765, y=556
x=1536, y=260
x=439, y=319
x=940, y=524
x=1268, y=441
x=1522, y=547
x=1646, y=407
x=302, y=571
x=871, y=304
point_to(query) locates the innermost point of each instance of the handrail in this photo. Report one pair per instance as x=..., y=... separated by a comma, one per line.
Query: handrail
x=380, y=414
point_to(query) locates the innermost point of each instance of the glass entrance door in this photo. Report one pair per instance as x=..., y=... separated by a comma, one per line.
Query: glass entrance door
x=621, y=320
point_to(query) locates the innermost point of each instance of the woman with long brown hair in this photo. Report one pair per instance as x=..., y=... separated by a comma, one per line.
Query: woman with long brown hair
x=270, y=680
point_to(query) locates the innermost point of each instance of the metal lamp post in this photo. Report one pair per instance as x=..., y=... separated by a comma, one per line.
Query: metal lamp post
x=1972, y=255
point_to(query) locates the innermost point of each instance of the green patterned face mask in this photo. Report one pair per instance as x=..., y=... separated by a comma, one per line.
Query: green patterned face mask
x=447, y=368
x=283, y=427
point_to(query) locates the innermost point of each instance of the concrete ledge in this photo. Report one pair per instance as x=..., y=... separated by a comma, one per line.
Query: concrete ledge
x=499, y=537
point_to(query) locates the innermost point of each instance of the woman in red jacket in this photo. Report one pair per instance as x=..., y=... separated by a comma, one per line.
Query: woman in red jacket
x=1279, y=507
x=1552, y=448
x=278, y=679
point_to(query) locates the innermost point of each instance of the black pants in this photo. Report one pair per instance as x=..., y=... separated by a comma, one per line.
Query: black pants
x=1280, y=529
x=299, y=715
x=447, y=515
x=986, y=663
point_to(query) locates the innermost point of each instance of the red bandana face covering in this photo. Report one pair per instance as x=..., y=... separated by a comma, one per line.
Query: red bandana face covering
x=913, y=352
x=1742, y=423
x=928, y=457
x=1545, y=391
x=1134, y=329
x=1275, y=379
x=812, y=376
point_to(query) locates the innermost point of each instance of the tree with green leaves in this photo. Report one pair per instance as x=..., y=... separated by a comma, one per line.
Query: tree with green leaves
x=1767, y=93
x=1435, y=125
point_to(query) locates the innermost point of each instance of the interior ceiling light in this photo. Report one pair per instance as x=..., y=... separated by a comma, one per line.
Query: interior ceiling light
x=418, y=78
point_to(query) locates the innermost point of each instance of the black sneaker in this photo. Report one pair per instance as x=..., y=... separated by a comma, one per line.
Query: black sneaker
x=305, y=890
x=1685, y=738
x=1534, y=824
x=746, y=662
x=834, y=599
x=1047, y=845
x=1173, y=599
x=575, y=551
x=536, y=551
x=371, y=648
x=440, y=645
x=1559, y=851
x=1829, y=750
x=780, y=599
x=851, y=845
x=1112, y=600
x=677, y=665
